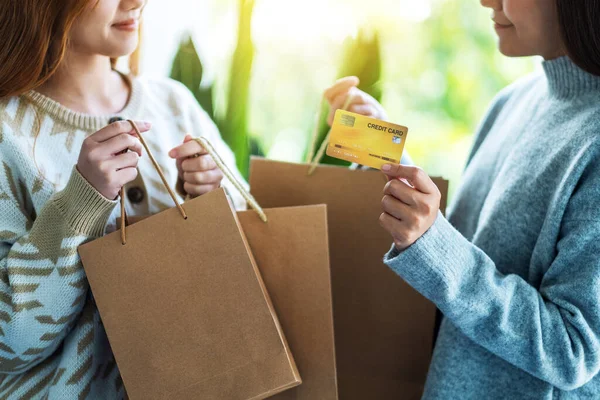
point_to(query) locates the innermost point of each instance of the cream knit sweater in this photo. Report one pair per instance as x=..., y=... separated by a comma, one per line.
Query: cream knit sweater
x=52, y=343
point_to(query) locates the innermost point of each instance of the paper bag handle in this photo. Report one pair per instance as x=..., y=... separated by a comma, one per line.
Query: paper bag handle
x=229, y=174
x=162, y=177
x=218, y=160
x=312, y=158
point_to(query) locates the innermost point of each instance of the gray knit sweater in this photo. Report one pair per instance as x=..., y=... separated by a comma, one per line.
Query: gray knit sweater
x=516, y=267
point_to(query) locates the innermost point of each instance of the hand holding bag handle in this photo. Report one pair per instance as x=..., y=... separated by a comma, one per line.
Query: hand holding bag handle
x=218, y=160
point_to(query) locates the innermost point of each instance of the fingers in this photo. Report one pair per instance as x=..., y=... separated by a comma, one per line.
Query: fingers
x=352, y=95
x=341, y=86
x=198, y=190
x=394, y=227
x=122, y=161
x=126, y=175
x=417, y=209
x=178, y=163
x=356, y=95
x=359, y=102
x=396, y=208
x=204, y=177
x=196, y=168
x=120, y=143
x=202, y=163
x=346, y=92
x=364, y=109
x=415, y=175
x=389, y=222
x=117, y=128
x=187, y=149
x=403, y=192
x=104, y=159
x=408, y=211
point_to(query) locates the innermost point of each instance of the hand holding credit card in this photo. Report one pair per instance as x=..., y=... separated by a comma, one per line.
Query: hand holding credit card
x=366, y=141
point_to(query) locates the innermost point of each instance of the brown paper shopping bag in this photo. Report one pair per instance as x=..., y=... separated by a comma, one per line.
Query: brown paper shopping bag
x=292, y=252
x=383, y=328
x=185, y=308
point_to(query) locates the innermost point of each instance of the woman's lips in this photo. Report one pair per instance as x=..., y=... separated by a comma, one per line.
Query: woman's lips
x=129, y=25
x=499, y=26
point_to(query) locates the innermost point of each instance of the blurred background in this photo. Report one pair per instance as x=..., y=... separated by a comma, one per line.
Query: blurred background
x=259, y=68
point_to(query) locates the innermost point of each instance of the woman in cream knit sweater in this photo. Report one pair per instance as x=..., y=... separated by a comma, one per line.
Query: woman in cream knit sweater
x=62, y=169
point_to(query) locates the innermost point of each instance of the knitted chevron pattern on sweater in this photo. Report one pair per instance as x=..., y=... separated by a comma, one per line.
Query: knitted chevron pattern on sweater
x=52, y=342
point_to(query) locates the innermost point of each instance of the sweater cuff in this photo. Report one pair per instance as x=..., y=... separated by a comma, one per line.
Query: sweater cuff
x=84, y=208
x=430, y=264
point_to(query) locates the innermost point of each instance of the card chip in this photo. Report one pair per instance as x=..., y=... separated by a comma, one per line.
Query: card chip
x=348, y=120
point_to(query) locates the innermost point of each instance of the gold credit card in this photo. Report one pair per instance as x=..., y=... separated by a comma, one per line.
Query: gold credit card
x=366, y=141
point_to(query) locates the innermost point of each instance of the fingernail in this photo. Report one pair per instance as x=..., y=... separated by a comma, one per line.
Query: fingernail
x=386, y=167
x=147, y=125
x=172, y=154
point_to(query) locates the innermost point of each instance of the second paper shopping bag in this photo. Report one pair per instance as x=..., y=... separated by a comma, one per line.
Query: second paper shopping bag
x=383, y=328
x=292, y=252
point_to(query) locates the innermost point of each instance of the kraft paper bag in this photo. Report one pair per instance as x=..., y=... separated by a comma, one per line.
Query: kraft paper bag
x=383, y=328
x=292, y=253
x=185, y=308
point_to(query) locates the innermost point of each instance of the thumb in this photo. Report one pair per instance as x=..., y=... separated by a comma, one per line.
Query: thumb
x=415, y=176
x=186, y=139
x=179, y=161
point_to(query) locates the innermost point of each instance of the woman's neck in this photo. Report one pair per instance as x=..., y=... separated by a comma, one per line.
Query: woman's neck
x=87, y=84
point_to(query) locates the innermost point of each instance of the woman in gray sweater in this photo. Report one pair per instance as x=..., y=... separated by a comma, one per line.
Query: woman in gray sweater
x=515, y=268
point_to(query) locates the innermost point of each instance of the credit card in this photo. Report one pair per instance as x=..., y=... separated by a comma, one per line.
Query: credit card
x=366, y=141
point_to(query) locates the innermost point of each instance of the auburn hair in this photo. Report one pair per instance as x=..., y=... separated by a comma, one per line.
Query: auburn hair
x=35, y=39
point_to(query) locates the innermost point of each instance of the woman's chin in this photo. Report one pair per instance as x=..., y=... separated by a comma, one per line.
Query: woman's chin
x=511, y=49
x=122, y=50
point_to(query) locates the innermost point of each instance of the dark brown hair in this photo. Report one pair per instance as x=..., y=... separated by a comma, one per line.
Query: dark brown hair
x=580, y=29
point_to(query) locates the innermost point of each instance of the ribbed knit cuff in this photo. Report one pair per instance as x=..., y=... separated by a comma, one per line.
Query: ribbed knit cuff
x=429, y=265
x=84, y=208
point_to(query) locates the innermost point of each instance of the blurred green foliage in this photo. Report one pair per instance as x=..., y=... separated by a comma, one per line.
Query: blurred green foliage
x=436, y=75
x=234, y=126
x=188, y=69
x=362, y=58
